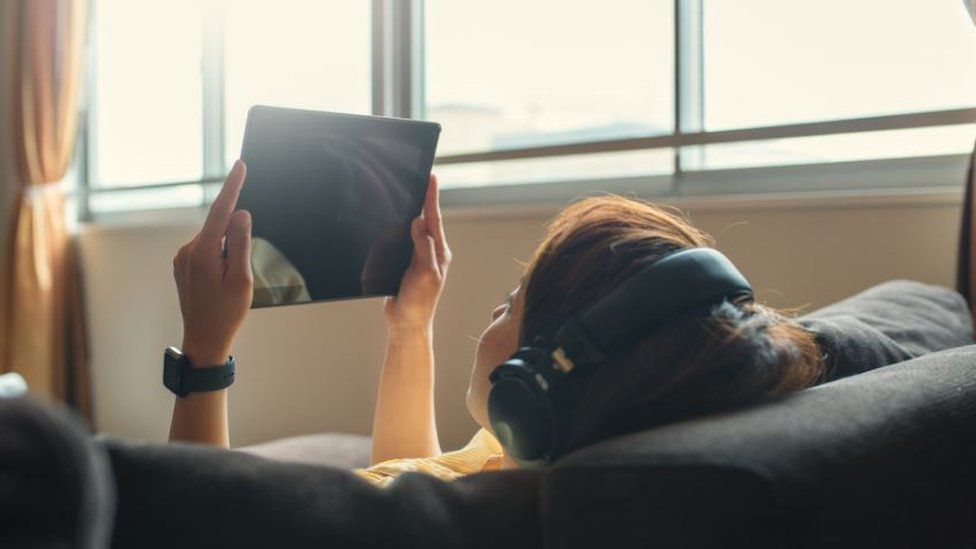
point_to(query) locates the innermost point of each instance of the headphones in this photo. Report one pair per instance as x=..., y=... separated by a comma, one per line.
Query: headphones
x=535, y=392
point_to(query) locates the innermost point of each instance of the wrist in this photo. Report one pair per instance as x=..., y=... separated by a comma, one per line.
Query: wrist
x=410, y=332
x=200, y=354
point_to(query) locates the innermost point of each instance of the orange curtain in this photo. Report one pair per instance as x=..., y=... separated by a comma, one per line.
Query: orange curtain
x=41, y=334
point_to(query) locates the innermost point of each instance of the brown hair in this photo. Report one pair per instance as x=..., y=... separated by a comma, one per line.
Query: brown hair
x=736, y=353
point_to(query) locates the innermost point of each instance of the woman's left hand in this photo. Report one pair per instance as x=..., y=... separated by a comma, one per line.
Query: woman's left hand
x=213, y=277
x=412, y=309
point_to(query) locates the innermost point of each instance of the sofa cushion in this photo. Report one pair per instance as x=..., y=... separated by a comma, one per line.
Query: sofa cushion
x=887, y=324
x=335, y=449
x=886, y=458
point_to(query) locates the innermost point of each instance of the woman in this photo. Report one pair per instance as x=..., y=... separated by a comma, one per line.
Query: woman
x=736, y=352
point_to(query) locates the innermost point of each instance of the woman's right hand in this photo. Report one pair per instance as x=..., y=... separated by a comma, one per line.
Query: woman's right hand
x=404, y=424
x=215, y=287
x=412, y=309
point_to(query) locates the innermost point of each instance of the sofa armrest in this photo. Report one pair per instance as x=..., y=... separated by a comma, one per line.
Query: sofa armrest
x=188, y=496
x=55, y=485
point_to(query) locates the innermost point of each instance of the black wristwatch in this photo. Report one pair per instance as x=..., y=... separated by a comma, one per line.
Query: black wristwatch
x=183, y=378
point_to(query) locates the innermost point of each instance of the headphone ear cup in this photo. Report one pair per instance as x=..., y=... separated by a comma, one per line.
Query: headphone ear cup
x=521, y=418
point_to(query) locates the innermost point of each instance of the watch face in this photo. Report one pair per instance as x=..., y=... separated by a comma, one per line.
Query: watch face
x=174, y=353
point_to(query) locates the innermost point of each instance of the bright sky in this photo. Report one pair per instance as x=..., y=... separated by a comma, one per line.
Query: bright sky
x=540, y=66
x=567, y=63
x=774, y=61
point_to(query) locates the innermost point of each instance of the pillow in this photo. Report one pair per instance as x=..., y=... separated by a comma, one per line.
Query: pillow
x=889, y=323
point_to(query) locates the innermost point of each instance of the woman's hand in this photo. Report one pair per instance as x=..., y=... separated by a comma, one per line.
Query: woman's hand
x=213, y=277
x=404, y=425
x=412, y=309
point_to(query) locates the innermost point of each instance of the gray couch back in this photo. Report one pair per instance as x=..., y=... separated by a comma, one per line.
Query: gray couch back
x=886, y=458
x=882, y=459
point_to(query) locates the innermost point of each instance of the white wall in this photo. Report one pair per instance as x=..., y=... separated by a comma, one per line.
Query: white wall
x=314, y=367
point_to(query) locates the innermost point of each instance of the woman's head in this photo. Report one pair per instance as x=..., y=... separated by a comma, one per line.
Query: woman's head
x=734, y=354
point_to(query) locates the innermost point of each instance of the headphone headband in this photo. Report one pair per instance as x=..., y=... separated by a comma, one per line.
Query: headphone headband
x=680, y=282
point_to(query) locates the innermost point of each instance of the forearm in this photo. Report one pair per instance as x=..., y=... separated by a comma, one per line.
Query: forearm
x=201, y=417
x=404, y=423
x=215, y=284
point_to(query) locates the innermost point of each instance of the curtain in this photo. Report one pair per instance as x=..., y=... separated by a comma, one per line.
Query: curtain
x=41, y=329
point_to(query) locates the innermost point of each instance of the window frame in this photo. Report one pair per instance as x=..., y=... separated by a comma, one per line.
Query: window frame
x=398, y=80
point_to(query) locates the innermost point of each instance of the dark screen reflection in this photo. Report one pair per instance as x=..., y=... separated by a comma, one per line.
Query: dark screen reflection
x=332, y=198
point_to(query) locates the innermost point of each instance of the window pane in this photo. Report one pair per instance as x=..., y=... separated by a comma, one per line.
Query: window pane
x=577, y=167
x=880, y=145
x=295, y=53
x=511, y=73
x=147, y=102
x=770, y=62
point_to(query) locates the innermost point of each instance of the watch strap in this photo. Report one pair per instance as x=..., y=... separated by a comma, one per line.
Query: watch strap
x=196, y=379
x=181, y=377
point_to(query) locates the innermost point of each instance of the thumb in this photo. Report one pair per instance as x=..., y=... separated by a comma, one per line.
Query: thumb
x=239, y=248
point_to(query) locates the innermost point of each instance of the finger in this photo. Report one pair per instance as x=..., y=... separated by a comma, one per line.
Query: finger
x=430, y=199
x=223, y=206
x=239, y=248
x=434, y=220
x=423, y=245
x=181, y=264
x=178, y=271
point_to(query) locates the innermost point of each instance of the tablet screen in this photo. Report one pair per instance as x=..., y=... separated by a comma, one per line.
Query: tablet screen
x=332, y=197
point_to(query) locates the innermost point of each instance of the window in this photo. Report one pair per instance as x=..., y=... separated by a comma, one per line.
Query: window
x=769, y=62
x=772, y=63
x=511, y=73
x=147, y=106
x=310, y=54
x=170, y=97
x=620, y=95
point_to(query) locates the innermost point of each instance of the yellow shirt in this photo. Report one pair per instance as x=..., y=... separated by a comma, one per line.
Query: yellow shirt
x=483, y=453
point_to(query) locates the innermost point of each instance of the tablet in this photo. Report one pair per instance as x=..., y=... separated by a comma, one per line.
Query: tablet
x=332, y=197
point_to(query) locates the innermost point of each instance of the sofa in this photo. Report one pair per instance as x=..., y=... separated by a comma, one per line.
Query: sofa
x=881, y=457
